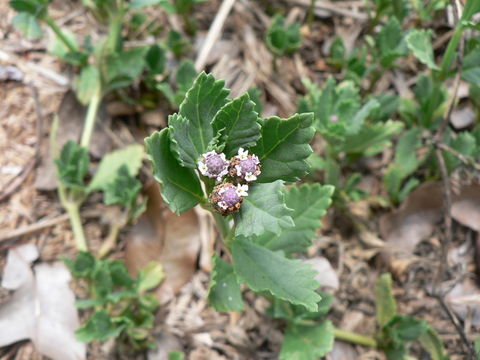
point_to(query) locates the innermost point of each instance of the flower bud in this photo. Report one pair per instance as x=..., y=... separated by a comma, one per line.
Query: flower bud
x=227, y=198
x=213, y=165
x=244, y=167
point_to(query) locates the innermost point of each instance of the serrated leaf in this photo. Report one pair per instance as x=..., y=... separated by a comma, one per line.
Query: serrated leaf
x=181, y=189
x=407, y=328
x=357, y=122
x=72, y=165
x=370, y=136
x=183, y=140
x=28, y=25
x=255, y=94
x=281, y=38
x=465, y=143
x=283, y=148
x=420, y=43
x=123, y=190
x=87, y=85
x=263, y=210
x=386, y=306
x=122, y=68
x=309, y=202
x=98, y=327
x=224, y=292
x=390, y=42
x=203, y=100
x=131, y=156
x=237, y=122
x=82, y=266
x=265, y=270
x=307, y=342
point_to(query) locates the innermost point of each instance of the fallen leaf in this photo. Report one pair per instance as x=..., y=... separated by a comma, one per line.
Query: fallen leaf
x=72, y=116
x=17, y=268
x=343, y=351
x=42, y=309
x=162, y=236
x=327, y=276
x=464, y=299
x=466, y=208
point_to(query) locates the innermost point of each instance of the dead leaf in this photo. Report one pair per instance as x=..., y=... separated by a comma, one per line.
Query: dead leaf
x=466, y=207
x=42, y=309
x=462, y=117
x=162, y=236
x=327, y=276
x=342, y=351
x=72, y=116
x=17, y=268
x=465, y=300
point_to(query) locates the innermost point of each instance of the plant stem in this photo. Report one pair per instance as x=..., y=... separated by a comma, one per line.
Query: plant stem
x=110, y=241
x=61, y=35
x=90, y=118
x=450, y=51
x=73, y=210
x=354, y=338
x=222, y=224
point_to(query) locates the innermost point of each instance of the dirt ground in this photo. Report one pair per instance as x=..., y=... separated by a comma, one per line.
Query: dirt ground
x=355, y=245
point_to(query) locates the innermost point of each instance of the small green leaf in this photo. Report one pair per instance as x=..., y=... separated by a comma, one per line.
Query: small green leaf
x=180, y=189
x=58, y=48
x=150, y=276
x=178, y=45
x=98, y=327
x=123, y=190
x=307, y=342
x=309, y=202
x=82, y=266
x=224, y=291
x=155, y=59
x=265, y=270
x=203, y=100
x=370, y=136
x=420, y=43
x=121, y=69
x=72, y=165
x=385, y=303
x=283, y=39
x=28, y=25
x=119, y=273
x=465, y=143
x=390, y=42
x=407, y=328
x=237, y=122
x=87, y=85
x=131, y=156
x=263, y=210
x=176, y=355
x=32, y=7
x=432, y=343
x=283, y=148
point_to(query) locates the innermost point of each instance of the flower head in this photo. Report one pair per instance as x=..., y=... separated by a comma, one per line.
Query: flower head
x=213, y=165
x=244, y=167
x=227, y=198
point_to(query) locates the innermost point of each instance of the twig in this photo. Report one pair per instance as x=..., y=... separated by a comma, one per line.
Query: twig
x=213, y=33
x=28, y=229
x=333, y=8
x=464, y=159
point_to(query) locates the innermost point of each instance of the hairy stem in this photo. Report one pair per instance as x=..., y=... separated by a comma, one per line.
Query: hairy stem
x=73, y=211
x=354, y=338
x=61, y=35
x=110, y=241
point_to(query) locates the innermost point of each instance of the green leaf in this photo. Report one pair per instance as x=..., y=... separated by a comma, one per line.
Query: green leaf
x=385, y=303
x=420, y=43
x=371, y=135
x=140, y=4
x=130, y=156
x=72, y=165
x=58, y=48
x=307, y=342
x=180, y=189
x=263, y=210
x=390, y=42
x=309, y=202
x=121, y=69
x=282, y=39
x=123, y=190
x=185, y=77
x=203, y=100
x=33, y=7
x=87, y=85
x=82, y=266
x=432, y=343
x=471, y=67
x=407, y=328
x=224, y=292
x=237, y=122
x=184, y=141
x=265, y=270
x=176, y=355
x=178, y=45
x=28, y=25
x=119, y=273
x=150, y=276
x=255, y=95
x=98, y=327
x=465, y=143
x=283, y=148
x=155, y=59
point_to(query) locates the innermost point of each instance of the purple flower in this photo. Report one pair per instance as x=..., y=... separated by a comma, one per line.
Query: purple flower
x=213, y=165
x=227, y=198
x=244, y=167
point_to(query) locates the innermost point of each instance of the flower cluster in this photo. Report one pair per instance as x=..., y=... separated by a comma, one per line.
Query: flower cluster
x=243, y=168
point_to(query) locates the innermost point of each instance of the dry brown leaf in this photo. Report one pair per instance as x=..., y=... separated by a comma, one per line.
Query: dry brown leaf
x=41, y=309
x=327, y=276
x=162, y=236
x=342, y=351
x=465, y=300
x=466, y=207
